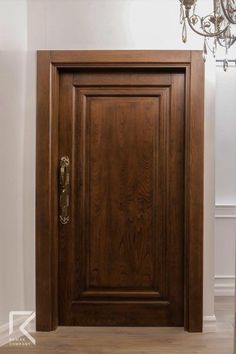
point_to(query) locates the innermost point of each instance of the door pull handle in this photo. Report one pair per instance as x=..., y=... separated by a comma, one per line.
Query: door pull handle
x=64, y=186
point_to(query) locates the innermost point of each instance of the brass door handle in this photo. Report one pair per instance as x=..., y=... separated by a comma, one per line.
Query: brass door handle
x=64, y=176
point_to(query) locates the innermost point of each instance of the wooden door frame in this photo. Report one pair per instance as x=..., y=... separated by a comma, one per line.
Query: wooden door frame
x=48, y=66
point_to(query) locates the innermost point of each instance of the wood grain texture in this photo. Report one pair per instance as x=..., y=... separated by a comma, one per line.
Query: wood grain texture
x=46, y=196
x=49, y=64
x=66, y=232
x=120, y=264
x=195, y=195
x=123, y=132
x=149, y=77
x=115, y=57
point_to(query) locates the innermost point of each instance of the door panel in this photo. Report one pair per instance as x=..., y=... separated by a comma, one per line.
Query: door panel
x=121, y=255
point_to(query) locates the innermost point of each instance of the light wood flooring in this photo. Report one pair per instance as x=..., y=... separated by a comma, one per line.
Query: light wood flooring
x=77, y=340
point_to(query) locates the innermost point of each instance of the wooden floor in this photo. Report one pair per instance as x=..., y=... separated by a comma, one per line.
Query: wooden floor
x=136, y=340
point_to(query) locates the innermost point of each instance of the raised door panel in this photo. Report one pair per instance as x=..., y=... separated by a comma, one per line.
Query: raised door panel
x=123, y=192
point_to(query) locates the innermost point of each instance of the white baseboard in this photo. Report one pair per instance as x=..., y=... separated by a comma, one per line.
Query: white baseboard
x=209, y=324
x=224, y=285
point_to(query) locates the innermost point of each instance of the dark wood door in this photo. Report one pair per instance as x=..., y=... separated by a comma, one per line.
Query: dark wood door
x=121, y=255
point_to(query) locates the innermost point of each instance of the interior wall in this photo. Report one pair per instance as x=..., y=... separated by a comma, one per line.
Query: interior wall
x=86, y=24
x=209, y=196
x=225, y=136
x=13, y=42
x=225, y=180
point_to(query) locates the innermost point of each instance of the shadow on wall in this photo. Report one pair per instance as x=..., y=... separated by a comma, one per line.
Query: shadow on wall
x=29, y=182
x=12, y=96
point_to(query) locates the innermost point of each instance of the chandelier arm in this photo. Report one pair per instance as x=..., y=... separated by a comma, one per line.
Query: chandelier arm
x=226, y=13
x=215, y=34
x=232, y=41
x=219, y=42
x=223, y=45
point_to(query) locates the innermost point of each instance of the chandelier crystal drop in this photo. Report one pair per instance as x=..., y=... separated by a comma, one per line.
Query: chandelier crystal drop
x=214, y=27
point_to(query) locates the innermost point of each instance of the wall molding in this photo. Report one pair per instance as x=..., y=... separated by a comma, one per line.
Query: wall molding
x=209, y=324
x=224, y=285
x=225, y=211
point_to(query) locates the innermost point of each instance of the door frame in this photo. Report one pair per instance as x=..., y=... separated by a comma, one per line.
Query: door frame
x=48, y=65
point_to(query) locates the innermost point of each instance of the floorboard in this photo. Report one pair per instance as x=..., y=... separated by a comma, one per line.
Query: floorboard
x=77, y=340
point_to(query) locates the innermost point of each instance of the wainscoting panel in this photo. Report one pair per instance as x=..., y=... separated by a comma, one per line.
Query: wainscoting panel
x=225, y=236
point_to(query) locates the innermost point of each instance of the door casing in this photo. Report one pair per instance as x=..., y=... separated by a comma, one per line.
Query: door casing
x=49, y=64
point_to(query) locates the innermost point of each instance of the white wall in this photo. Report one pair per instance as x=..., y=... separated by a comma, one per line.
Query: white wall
x=225, y=180
x=105, y=24
x=209, y=195
x=12, y=112
x=225, y=136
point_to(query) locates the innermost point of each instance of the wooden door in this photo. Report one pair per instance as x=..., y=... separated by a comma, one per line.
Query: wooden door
x=131, y=124
x=121, y=255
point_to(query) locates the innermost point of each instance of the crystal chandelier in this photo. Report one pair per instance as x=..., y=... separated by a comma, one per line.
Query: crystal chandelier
x=216, y=26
